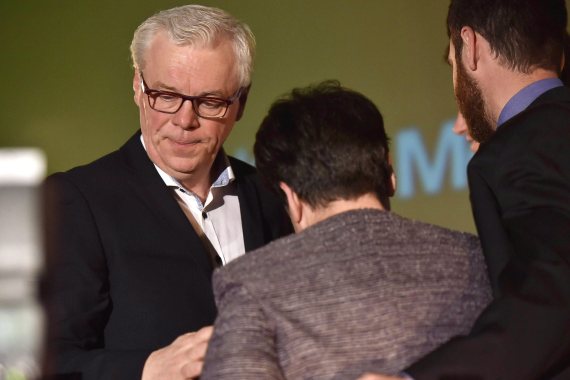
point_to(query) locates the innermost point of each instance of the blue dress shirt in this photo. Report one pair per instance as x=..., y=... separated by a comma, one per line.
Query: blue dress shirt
x=524, y=97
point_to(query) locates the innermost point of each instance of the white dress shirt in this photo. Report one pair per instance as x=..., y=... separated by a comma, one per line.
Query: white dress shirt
x=219, y=216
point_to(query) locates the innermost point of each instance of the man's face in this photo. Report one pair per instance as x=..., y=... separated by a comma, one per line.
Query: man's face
x=470, y=101
x=182, y=144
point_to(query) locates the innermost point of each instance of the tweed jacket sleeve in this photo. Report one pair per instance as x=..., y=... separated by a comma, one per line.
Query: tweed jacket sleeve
x=243, y=344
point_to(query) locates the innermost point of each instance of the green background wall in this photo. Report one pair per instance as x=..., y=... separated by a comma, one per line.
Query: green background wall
x=66, y=77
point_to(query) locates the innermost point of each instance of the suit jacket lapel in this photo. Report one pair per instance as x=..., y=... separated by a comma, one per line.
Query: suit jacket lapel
x=251, y=220
x=157, y=197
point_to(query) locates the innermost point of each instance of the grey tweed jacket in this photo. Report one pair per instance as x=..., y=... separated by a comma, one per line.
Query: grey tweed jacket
x=365, y=290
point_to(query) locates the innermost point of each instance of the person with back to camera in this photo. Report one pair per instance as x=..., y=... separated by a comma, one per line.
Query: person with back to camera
x=357, y=287
x=136, y=235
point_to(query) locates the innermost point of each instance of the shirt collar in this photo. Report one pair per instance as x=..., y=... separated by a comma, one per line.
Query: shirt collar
x=221, y=165
x=522, y=99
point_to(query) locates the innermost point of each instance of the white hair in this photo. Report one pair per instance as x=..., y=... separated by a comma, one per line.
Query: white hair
x=197, y=25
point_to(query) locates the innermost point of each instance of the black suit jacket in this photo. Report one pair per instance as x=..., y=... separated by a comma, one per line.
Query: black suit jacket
x=520, y=193
x=127, y=273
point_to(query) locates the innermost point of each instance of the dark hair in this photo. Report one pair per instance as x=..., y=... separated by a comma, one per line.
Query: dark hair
x=524, y=34
x=326, y=142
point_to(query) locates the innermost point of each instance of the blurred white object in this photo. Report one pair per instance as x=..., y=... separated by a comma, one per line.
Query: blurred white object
x=22, y=166
x=21, y=259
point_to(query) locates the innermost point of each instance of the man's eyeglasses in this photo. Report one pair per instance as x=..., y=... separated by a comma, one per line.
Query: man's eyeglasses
x=208, y=107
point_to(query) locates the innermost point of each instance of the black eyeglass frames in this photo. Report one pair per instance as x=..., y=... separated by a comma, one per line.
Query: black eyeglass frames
x=208, y=107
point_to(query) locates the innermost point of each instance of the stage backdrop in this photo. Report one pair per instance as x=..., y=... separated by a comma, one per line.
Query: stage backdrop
x=66, y=81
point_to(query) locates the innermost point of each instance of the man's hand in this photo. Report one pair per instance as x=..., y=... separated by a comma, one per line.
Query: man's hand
x=182, y=359
x=375, y=376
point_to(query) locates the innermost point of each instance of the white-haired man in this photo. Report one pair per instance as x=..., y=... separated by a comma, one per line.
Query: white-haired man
x=137, y=233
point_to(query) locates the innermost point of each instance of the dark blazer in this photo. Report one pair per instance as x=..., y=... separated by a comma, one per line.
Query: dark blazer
x=127, y=273
x=520, y=193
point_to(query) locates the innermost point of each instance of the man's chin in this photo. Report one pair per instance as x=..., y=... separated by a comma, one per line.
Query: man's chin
x=478, y=127
x=481, y=134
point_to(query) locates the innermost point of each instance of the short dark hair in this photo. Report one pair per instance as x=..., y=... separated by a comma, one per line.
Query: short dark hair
x=326, y=142
x=524, y=34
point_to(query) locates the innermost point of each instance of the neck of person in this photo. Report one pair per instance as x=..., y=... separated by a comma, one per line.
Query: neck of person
x=506, y=83
x=198, y=182
x=318, y=214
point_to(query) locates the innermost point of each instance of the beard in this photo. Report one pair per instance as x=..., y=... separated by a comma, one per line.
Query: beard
x=472, y=106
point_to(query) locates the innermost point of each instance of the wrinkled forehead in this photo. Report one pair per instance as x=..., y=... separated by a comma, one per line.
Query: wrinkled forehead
x=178, y=65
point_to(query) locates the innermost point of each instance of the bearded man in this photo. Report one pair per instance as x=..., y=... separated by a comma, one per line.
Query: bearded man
x=507, y=56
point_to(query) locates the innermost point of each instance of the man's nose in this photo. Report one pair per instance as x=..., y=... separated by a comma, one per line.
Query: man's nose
x=186, y=117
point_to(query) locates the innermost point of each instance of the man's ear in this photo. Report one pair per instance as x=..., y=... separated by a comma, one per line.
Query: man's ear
x=294, y=204
x=137, y=87
x=393, y=182
x=390, y=183
x=242, y=101
x=469, y=49
x=391, y=175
